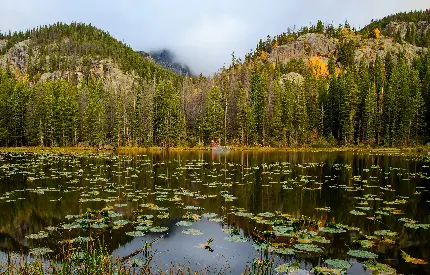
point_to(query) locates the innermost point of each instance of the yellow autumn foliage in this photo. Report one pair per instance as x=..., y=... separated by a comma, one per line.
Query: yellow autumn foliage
x=318, y=68
x=377, y=32
x=347, y=33
x=22, y=78
x=264, y=55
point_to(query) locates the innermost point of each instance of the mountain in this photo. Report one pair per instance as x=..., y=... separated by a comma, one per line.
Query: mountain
x=75, y=84
x=167, y=59
x=412, y=27
x=323, y=85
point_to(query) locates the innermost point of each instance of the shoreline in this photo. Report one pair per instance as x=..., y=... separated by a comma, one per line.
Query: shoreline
x=155, y=149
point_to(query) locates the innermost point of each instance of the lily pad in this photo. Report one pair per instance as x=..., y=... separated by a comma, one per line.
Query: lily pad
x=341, y=264
x=379, y=268
x=333, y=230
x=287, y=268
x=308, y=247
x=135, y=234
x=40, y=235
x=136, y=262
x=184, y=223
x=209, y=215
x=388, y=233
x=362, y=254
x=40, y=251
x=158, y=229
x=191, y=231
x=408, y=258
x=235, y=239
x=357, y=213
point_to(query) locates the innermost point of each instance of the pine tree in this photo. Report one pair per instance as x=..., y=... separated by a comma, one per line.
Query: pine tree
x=370, y=115
x=212, y=122
x=258, y=100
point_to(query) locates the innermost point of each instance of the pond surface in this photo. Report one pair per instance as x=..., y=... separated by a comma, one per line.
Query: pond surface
x=352, y=211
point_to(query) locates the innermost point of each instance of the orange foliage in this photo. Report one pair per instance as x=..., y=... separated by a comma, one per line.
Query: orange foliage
x=275, y=45
x=318, y=68
x=264, y=55
x=346, y=32
x=377, y=33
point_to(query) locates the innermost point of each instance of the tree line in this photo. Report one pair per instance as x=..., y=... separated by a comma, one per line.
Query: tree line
x=384, y=102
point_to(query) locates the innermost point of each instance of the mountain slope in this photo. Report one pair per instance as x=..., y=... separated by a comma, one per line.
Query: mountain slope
x=413, y=27
x=320, y=86
x=166, y=59
x=75, y=84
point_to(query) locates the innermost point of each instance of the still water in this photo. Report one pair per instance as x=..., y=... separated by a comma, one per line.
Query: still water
x=308, y=208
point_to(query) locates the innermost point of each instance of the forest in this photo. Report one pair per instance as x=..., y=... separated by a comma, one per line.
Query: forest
x=254, y=102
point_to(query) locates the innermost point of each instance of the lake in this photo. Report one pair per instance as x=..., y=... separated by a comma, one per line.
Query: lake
x=352, y=211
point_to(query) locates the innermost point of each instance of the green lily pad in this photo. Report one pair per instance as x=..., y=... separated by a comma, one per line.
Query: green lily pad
x=40, y=251
x=142, y=228
x=158, y=229
x=308, y=247
x=184, y=223
x=362, y=254
x=40, y=235
x=284, y=251
x=235, y=239
x=70, y=226
x=121, y=222
x=135, y=233
x=209, y=215
x=266, y=215
x=341, y=264
x=388, y=233
x=287, y=268
x=357, y=213
x=417, y=225
x=284, y=230
x=379, y=268
x=333, y=230
x=137, y=262
x=191, y=231
x=366, y=243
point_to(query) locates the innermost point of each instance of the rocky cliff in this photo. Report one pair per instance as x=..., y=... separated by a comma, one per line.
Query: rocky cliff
x=315, y=44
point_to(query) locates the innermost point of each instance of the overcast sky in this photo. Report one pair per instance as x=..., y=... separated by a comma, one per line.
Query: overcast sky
x=202, y=33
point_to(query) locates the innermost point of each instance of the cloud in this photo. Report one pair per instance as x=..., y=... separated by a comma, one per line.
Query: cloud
x=202, y=34
x=205, y=44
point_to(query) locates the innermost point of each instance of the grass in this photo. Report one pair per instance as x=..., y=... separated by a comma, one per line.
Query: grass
x=93, y=258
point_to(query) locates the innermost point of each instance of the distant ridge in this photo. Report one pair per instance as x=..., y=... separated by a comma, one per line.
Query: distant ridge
x=166, y=59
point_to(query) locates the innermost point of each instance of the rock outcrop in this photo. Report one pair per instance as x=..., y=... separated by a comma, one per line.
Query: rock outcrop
x=16, y=59
x=16, y=56
x=370, y=48
x=402, y=27
x=304, y=47
x=313, y=44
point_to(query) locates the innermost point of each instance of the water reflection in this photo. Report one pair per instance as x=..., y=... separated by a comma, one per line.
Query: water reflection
x=38, y=192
